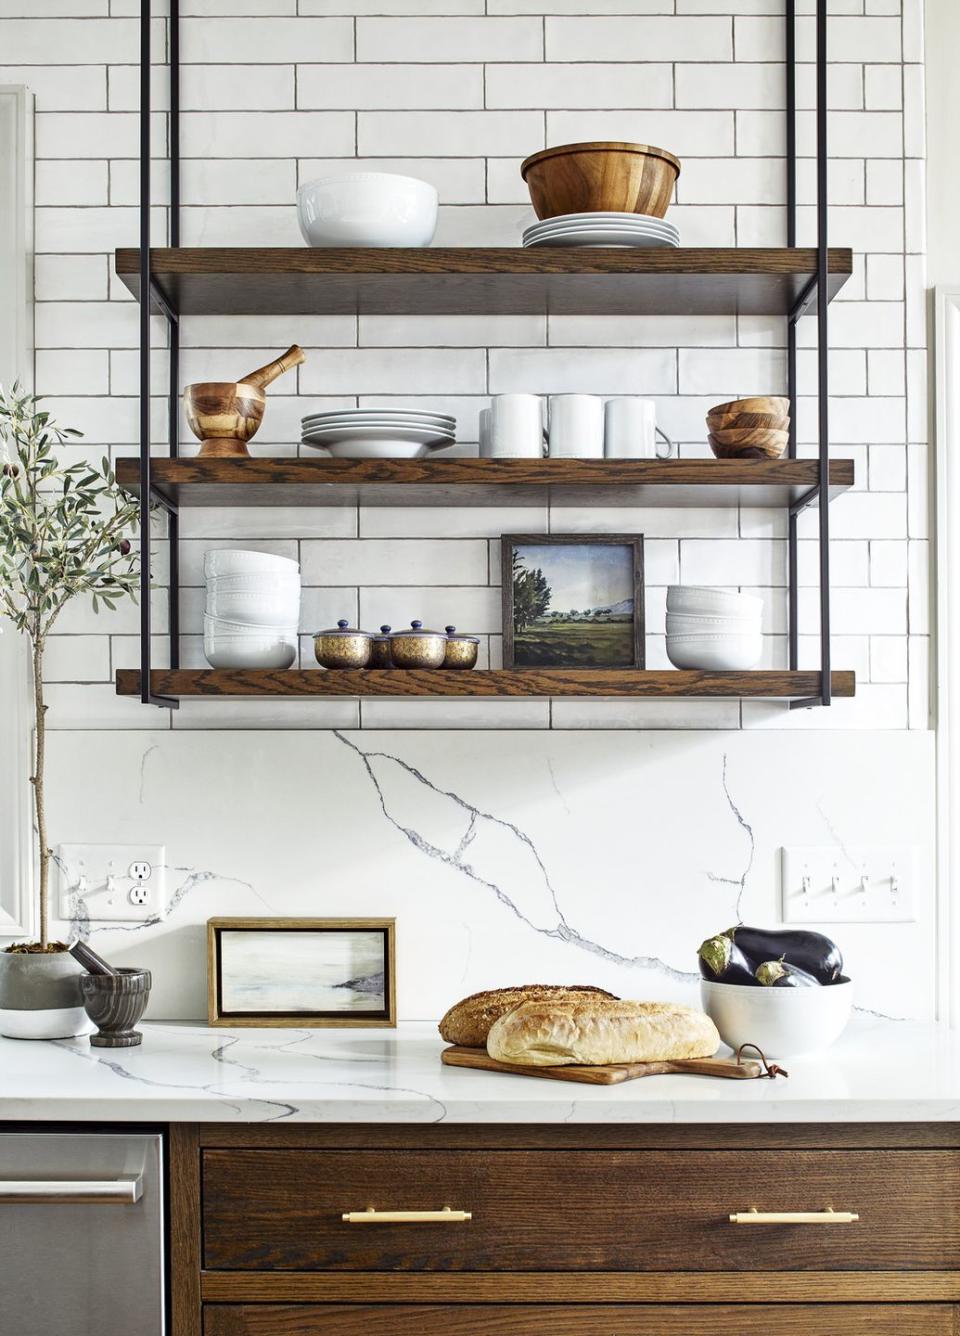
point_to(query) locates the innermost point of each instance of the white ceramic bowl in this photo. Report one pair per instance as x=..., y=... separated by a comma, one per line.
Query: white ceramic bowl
x=231, y=561
x=687, y=624
x=367, y=209
x=262, y=648
x=228, y=627
x=783, y=1022
x=715, y=653
x=704, y=601
x=267, y=607
x=257, y=582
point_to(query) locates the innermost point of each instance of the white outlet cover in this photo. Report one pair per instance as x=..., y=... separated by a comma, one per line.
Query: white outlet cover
x=100, y=874
x=823, y=884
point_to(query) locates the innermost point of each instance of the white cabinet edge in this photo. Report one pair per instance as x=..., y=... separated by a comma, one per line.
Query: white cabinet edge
x=16, y=359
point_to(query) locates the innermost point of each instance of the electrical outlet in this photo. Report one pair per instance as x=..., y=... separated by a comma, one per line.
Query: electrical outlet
x=825, y=884
x=121, y=883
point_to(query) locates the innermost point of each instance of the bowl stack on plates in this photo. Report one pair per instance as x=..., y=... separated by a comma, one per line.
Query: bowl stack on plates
x=756, y=428
x=253, y=610
x=601, y=194
x=713, y=629
x=379, y=433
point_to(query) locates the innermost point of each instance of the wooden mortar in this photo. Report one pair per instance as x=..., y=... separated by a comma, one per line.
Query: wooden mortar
x=225, y=415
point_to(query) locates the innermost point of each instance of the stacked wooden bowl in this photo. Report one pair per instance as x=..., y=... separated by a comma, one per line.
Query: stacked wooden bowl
x=756, y=428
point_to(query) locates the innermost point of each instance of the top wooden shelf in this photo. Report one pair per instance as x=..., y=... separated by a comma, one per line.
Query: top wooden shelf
x=487, y=281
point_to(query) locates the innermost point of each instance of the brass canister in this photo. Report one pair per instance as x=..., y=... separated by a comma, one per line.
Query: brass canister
x=343, y=646
x=418, y=648
x=461, y=650
x=380, y=656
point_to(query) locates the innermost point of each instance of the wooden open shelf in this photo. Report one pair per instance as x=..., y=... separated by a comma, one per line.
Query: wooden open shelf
x=482, y=281
x=320, y=481
x=396, y=682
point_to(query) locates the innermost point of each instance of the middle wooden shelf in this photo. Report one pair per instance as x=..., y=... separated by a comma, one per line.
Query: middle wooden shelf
x=291, y=481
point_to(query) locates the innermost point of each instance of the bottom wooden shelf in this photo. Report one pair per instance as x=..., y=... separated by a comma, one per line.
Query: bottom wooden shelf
x=620, y=682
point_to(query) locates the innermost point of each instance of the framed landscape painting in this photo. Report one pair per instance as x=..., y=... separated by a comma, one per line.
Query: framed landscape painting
x=572, y=600
x=303, y=972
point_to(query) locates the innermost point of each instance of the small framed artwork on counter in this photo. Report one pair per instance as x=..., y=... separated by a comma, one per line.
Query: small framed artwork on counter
x=572, y=600
x=301, y=972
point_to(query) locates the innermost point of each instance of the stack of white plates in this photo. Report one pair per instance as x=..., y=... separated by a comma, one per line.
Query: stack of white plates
x=713, y=629
x=602, y=229
x=379, y=433
x=252, y=610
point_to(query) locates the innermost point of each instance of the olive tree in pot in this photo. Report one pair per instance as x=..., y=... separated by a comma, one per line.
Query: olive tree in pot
x=64, y=532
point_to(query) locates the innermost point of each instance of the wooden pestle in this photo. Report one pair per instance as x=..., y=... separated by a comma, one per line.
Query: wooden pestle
x=264, y=375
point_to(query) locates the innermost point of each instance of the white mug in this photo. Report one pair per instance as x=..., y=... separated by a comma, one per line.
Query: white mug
x=630, y=430
x=516, y=426
x=575, y=426
x=483, y=434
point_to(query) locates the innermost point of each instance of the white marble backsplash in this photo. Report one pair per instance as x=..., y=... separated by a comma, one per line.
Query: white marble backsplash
x=599, y=857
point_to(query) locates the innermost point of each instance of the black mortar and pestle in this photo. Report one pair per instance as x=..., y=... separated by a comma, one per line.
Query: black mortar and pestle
x=114, y=999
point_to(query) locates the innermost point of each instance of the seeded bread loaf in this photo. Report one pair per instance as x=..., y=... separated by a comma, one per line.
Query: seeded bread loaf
x=468, y=1022
x=599, y=1031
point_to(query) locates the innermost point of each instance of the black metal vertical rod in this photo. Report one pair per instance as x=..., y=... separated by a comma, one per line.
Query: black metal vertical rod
x=790, y=57
x=145, y=304
x=823, y=351
x=173, y=326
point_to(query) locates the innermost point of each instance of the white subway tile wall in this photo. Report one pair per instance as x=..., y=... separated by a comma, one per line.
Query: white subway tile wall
x=276, y=92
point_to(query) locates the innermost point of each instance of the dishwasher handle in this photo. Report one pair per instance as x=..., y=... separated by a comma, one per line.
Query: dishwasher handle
x=71, y=1192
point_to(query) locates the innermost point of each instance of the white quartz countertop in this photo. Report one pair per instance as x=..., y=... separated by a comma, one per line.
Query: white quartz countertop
x=880, y=1071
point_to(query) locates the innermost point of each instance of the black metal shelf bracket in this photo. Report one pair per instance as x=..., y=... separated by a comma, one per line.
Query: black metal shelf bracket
x=151, y=296
x=815, y=290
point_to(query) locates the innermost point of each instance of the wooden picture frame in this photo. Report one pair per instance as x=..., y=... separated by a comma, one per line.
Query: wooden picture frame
x=228, y=957
x=510, y=542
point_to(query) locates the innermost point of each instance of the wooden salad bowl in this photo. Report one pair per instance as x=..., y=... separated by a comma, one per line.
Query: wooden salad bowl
x=603, y=176
x=748, y=443
x=725, y=421
x=224, y=415
x=771, y=404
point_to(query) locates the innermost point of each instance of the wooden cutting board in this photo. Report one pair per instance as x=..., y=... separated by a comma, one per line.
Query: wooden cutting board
x=456, y=1056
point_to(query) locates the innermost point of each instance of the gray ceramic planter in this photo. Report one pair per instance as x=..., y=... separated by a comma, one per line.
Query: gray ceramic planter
x=40, y=996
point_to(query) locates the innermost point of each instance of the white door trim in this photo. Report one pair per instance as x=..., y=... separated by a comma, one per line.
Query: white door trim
x=16, y=359
x=947, y=690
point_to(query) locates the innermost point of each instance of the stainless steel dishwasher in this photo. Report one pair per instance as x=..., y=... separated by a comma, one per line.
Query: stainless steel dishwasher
x=81, y=1234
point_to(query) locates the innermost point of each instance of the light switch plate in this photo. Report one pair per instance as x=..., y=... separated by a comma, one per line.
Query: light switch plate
x=110, y=878
x=852, y=884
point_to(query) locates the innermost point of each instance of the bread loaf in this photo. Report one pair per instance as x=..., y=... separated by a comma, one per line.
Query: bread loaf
x=468, y=1022
x=598, y=1031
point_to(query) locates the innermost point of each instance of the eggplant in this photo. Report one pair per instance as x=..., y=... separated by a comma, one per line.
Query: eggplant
x=722, y=961
x=781, y=974
x=808, y=951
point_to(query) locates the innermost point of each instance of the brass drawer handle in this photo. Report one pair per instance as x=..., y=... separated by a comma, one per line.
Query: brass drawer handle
x=827, y=1217
x=371, y=1216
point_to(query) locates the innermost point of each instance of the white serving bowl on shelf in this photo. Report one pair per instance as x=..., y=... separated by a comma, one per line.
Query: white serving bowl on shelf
x=234, y=645
x=688, y=624
x=367, y=209
x=782, y=1022
x=701, y=600
x=255, y=607
x=715, y=653
x=234, y=561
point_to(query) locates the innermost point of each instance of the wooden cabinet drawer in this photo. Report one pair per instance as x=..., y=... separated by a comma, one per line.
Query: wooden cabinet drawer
x=592, y=1320
x=580, y=1210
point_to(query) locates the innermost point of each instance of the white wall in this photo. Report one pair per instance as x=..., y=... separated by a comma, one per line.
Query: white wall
x=634, y=811
x=943, y=111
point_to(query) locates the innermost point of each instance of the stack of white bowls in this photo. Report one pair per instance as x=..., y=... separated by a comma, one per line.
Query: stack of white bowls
x=252, y=610
x=713, y=629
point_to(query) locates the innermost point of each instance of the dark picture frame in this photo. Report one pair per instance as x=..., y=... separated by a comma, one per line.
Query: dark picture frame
x=568, y=653
x=230, y=942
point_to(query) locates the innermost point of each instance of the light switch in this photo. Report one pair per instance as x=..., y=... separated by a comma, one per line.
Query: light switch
x=123, y=883
x=849, y=884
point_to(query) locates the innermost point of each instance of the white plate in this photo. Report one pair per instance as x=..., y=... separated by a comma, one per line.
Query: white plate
x=607, y=238
x=420, y=424
x=647, y=229
x=423, y=435
x=380, y=415
x=608, y=216
x=380, y=447
x=598, y=220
